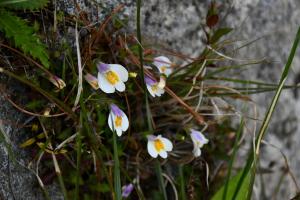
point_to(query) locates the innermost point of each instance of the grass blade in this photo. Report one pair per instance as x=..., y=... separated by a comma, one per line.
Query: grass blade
x=235, y=148
x=232, y=184
x=78, y=159
x=182, y=183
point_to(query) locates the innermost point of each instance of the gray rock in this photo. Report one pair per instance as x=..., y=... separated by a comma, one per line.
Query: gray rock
x=276, y=23
x=17, y=181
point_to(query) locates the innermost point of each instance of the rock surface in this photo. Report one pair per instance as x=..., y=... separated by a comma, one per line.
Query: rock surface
x=17, y=182
x=275, y=22
x=178, y=24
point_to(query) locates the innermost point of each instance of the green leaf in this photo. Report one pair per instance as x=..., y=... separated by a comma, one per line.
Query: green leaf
x=233, y=183
x=24, y=4
x=219, y=33
x=23, y=36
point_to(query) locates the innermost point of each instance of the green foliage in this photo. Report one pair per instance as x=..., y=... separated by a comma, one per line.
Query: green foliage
x=23, y=4
x=232, y=185
x=23, y=36
x=220, y=33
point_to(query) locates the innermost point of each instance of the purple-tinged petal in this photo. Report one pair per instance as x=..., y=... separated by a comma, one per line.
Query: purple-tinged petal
x=150, y=81
x=102, y=67
x=92, y=80
x=116, y=110
x=198, y=136
x=151, y=137
x=126, y=190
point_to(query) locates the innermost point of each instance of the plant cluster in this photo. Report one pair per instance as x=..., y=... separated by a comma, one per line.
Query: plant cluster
x=104, y=104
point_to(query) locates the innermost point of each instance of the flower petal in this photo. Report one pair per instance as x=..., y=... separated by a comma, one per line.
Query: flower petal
x=119, y=131
x=120, y=86
x=167, y=143
x=125, y=122
x=160, y=91
x=197, y=152
x=168, y=71
x=197, y=137
x=151, y=149
x=150, y=90
x=120, y=70
x=161, y=61
x=110, y=121
x=116, y=110
x=92, y=80
x=163, y=154
x=104, y=85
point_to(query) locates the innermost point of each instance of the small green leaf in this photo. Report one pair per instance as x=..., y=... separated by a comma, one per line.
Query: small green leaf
x=219, y=33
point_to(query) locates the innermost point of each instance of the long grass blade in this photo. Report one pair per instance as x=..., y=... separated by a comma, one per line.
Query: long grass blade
x=182, y=183
x=235, y=148
x=78, y=159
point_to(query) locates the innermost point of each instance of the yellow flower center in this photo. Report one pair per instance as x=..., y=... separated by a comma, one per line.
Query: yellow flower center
x=118, y=121
x=163, y=68
x=112, y=77
x=154, y=88
x=158, y=145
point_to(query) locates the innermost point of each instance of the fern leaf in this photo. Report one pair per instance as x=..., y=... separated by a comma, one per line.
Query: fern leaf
x=23, y=4
x=23, y=36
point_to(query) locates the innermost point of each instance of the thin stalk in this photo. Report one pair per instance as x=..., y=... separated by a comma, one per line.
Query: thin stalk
x=160, y=179
x=60, y=179
x=139, y=37
x=79, y=68
x=93, y=142
x=225, y=68
x=78, y=144
x=182, y=183
x=117, y=179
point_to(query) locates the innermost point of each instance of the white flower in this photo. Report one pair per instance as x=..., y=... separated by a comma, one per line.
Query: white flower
x=111, y=77
x=198, y=140
x=158, y=145
x=92, y=80
x=153, y=87
x=117, y=120
x=163, y=64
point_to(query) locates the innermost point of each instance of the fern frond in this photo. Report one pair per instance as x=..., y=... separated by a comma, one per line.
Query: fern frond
x=23, y=36
x=23, y=4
